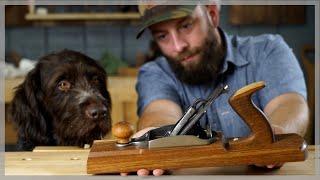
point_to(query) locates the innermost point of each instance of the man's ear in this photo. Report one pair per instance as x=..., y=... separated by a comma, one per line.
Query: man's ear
x=213, y=12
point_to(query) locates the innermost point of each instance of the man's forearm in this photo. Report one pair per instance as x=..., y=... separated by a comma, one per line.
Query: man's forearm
x=291, y=114
x=155, y=120
x=159, y=113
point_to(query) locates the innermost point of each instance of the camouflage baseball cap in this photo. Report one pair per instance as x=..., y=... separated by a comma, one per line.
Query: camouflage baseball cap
x=152, y=14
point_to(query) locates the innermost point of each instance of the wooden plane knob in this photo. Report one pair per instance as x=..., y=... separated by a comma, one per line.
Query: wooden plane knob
x=122, y=131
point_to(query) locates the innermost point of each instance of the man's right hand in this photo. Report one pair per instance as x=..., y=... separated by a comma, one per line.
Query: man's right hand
x=145, y=172
x=158, y=113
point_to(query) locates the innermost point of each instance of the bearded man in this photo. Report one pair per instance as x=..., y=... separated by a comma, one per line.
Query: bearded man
x=198, y=55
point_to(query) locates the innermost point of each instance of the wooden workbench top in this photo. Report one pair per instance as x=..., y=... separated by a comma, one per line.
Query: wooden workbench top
x=72, y=161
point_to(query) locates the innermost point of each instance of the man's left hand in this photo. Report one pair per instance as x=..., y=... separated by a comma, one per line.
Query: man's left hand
x=276, y=130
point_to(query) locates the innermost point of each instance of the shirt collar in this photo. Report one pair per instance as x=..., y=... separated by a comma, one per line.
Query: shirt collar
x=231, y=51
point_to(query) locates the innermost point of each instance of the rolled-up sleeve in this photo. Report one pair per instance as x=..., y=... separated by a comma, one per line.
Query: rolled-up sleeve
x=280, y=69
x=152, y=84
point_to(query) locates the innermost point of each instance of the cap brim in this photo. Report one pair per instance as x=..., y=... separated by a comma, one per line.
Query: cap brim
x=179, y=13
x=140, y=32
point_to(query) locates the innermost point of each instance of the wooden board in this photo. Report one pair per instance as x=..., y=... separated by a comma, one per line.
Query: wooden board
x=60, y=163
x=59, y=149
x=45, y=163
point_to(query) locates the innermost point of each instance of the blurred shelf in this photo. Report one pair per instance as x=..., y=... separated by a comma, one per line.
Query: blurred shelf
x=82, y=16
x=128, y=71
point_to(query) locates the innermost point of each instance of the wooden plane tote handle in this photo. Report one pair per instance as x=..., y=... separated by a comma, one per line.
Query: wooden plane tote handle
x=241, y=102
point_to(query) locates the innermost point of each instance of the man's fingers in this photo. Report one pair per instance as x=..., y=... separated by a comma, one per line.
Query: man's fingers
x=158, y=172
x=277, y=129
x=270, y=166
x=277, y=165
x=124, y=174
x=142, y=132
x=145, y=172
x=142, y=172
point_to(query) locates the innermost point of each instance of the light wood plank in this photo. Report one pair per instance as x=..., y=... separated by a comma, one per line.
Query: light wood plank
x=10, y=85
x=59, y=149
x=46, y=163
x=61, y=163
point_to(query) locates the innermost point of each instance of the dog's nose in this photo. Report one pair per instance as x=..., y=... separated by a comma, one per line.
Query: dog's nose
x=96, y=111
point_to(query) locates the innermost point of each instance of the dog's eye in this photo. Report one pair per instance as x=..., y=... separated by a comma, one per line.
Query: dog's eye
x=64, y=85
x=95, y=79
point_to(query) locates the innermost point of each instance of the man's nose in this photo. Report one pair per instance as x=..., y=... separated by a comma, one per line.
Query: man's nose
x=179, y=43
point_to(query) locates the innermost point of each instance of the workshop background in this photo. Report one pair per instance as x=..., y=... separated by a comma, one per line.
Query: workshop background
x=107, y=34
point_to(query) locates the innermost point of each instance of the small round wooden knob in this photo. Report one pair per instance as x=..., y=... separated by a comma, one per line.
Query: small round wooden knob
x=122, y=131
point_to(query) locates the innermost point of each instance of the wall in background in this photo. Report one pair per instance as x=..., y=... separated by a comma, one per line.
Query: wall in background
x=119, y=39
x=295, y=35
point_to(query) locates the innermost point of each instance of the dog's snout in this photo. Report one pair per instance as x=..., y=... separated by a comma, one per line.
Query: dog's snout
x=95, y=111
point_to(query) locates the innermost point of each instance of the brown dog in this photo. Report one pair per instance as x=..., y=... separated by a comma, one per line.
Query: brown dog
x=63, y=101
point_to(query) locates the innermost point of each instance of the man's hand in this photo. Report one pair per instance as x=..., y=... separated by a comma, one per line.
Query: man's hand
x=288, y=113
x=158, y=113
x=276, y=130
x=145, y=172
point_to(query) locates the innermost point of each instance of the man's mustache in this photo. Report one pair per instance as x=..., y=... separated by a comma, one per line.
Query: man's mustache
x=187, y=53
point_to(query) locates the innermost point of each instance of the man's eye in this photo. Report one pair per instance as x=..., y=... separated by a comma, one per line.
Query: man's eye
x=161, y=37
x=64, y=85
x=187, y=26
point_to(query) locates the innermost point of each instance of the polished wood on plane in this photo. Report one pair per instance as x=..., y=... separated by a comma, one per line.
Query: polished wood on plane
x=261, y=147
x=73, y=161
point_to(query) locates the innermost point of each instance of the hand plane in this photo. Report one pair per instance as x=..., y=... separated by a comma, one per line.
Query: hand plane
x=186, y=144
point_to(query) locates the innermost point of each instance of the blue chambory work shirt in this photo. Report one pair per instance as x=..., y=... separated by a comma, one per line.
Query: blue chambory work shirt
x=249, y=59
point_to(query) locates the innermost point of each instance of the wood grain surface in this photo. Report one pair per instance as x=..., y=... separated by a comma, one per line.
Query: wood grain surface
x=66, y=163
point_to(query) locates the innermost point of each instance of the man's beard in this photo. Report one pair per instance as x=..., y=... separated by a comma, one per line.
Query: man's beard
x=207, y=68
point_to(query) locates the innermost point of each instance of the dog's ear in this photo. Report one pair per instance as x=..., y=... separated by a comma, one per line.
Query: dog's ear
x=27, y=112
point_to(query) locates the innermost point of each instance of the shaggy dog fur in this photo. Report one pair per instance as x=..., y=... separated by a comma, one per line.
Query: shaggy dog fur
x=63, y=101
